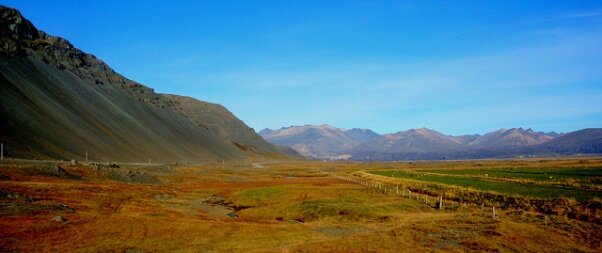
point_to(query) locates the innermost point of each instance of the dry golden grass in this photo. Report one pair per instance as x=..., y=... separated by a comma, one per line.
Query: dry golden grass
x=289, y=206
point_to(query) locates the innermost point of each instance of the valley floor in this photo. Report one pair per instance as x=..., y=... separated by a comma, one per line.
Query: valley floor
x=292, y=206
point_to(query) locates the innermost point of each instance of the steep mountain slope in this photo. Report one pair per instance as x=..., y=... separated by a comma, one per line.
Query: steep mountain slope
x=59, y=102
x=510, y=138
x=221, y=122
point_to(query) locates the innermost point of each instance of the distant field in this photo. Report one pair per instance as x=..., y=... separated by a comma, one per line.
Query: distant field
x=546, y=174
x=485, y=180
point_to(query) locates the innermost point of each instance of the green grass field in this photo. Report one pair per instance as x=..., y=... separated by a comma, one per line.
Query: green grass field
x=544, y=174
x=462, y=178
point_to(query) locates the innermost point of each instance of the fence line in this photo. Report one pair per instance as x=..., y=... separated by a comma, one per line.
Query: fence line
x=439, y=202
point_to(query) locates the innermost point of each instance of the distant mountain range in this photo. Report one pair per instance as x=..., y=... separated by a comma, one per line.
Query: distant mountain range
x=59, y=102
x=327, y=142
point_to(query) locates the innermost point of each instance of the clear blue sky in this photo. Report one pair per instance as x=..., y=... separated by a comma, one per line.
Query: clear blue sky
x=454, y=66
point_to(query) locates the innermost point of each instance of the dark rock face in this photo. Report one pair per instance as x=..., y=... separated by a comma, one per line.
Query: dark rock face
x=20, y=38
x=57, y=101
x=16, y=32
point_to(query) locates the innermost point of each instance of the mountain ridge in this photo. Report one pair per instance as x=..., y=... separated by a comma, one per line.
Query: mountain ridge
x=428, y=144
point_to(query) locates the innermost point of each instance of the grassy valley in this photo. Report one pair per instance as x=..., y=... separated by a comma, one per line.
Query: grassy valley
x=295, y=206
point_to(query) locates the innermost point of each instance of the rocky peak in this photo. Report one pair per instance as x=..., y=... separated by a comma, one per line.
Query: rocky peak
x=20, y=38
x=16, y=32
x=14, y=25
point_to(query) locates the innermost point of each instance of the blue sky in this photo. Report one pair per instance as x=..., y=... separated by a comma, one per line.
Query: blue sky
x=454, y=66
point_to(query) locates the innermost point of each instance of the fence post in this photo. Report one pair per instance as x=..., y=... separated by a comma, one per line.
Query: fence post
x=493, y=208
x=397, y=190
x=545, y=220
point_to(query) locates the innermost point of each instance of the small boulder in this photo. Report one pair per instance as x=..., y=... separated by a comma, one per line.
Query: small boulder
x=59, y=218
x=73, y=163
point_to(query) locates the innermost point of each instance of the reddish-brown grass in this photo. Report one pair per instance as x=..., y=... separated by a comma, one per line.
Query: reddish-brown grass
x=289, y=206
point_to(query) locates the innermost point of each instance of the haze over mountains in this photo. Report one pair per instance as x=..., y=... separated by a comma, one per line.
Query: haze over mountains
x=329, y=142
x=59, y=102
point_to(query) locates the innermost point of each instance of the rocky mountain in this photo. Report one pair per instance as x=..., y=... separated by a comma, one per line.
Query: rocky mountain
x=426, y=144
x=510, y=138
x=322, y=141
x=57, y=101
x=410, y=141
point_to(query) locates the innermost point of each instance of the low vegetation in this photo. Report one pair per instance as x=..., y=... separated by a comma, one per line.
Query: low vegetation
x=291, y=206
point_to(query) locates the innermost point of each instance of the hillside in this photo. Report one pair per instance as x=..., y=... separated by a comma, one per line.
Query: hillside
x=59, y=102
x=221, y=122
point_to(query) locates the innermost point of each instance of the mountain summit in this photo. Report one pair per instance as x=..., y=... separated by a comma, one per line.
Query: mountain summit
x=57, y=101
x=515, y=137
